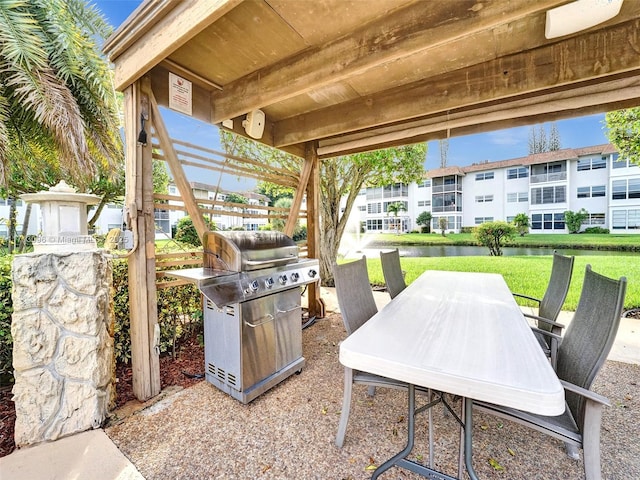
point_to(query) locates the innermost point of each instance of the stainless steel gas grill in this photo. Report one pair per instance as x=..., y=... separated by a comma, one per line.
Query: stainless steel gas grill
x=252, y=311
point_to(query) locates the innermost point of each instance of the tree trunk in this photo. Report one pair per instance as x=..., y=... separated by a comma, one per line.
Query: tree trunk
x=12, y=224
x=25, y=228
x=92, y=222
x=332, y=222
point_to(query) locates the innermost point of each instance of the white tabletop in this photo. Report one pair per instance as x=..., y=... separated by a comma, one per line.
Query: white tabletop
x=460, y=333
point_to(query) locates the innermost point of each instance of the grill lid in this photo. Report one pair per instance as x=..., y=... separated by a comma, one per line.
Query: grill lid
x=246, y=251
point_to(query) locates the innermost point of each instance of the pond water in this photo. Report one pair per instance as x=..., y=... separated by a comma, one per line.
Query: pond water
x=458, y=251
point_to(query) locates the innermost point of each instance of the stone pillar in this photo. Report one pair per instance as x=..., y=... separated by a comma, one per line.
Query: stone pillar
x=62, y=328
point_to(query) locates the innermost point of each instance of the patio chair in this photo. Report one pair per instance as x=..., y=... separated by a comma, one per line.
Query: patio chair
x=581, y=354
x=550, y=304
x=357, y=305
x=392, y=271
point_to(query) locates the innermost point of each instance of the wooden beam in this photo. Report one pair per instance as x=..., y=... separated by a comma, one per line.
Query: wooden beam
x=316, y=305
x=544, y=106
x=294, y=211
x=141, y=263
x=183, y=22
x=593, y=55
x=179, y=177
x=401, y=34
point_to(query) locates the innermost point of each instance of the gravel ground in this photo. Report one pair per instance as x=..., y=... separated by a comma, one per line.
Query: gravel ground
x=288, y=432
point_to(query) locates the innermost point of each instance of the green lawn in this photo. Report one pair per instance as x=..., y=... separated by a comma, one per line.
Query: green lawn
x=592, y=241
x=525, y=274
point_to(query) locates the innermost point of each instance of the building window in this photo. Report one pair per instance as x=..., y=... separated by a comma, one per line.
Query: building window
x=424, y=203
x=592, y=163
x=547, y=221
x=484, y=198
x=624, y=189
x=484, y=176
x=385, y=206
x=374, y=208
x=396, y=190
x=362, y=208
x=479, y=220
x=375, y=224
x=617, y=162
x=517, y=197
x=520, y=172
x=374, y=193
x=546, y=195
x=598, y=191
x=625, y=219
x=425, y=184
x=595, y=191
x=596, y=219
x=511, y=219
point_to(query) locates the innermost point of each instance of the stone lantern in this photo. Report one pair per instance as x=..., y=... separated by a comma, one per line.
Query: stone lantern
x=62, y=324
x=64, y=218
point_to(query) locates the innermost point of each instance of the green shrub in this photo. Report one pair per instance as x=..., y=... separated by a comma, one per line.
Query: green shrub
x=494, y=235
x=6, y=309
x=179, y=314
x=598, y=230
x=186, y=232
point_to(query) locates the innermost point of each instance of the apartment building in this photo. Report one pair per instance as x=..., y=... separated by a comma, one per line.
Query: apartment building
x=112, y=215
x=225, y=218
x=543, y=186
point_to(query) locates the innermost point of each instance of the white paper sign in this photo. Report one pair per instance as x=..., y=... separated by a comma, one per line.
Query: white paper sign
x=180, y=94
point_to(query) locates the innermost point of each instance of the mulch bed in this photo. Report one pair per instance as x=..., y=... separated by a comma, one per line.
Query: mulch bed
x=184, y=371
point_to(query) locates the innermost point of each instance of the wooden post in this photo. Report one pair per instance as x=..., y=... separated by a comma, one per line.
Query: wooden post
x=316, y=305
x=142, y=268
x=303, y=182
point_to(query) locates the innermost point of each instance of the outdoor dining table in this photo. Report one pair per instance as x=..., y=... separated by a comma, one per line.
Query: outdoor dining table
x=459, y=333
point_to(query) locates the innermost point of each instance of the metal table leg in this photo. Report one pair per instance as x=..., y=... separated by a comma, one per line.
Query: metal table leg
x=400, y=459
x=467, y=407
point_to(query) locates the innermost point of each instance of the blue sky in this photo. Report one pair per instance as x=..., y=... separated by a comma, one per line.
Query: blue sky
x=492, y=146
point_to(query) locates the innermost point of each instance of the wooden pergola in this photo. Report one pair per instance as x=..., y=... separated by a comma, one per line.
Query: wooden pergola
x=335, y=77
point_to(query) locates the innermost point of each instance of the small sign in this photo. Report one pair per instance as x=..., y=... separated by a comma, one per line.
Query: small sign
x=180, y=94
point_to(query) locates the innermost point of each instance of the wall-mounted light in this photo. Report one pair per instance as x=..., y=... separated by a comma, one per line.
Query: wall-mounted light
x=579, y=15
x=254, y=123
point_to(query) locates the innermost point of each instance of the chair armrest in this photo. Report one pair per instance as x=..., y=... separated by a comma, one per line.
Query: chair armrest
x=547, y=334
x=588, y=394
x=544, y=320
x=526, y=297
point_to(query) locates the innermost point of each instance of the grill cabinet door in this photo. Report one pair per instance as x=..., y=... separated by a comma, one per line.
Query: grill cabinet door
x=288, y=327
x=258, y=340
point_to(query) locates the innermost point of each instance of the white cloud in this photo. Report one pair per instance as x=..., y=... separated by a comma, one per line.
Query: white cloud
x=511, y=136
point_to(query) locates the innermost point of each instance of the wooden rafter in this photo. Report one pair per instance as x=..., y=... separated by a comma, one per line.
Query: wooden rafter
x=400, y=34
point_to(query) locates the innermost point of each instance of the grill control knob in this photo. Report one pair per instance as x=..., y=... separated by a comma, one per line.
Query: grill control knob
x=282, y=279
x=253, y=286
x=312, y=273
x=295, y=276
x=269, y=282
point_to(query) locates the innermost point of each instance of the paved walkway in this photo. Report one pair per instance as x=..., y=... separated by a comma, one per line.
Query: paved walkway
x=92, y=455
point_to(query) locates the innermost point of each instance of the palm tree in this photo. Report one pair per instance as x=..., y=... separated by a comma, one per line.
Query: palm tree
x=396, y=208
x=58, y=108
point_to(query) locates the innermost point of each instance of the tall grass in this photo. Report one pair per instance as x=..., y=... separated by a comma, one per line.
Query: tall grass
x=525, y=274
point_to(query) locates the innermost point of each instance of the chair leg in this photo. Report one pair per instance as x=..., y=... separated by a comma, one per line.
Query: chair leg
x=572, y=451
x=591, y=440
x=346, y=406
